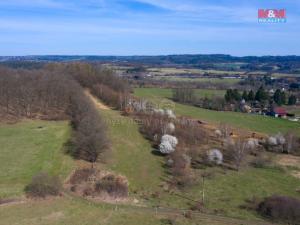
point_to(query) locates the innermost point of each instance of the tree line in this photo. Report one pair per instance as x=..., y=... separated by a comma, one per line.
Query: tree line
x=55, y=93
x=280, y=97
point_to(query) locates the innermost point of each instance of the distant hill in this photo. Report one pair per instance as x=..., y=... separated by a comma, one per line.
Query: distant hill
x=265, y=63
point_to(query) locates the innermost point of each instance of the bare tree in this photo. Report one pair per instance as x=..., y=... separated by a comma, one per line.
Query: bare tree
x=236, y=152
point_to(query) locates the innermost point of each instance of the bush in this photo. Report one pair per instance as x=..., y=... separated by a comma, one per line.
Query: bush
x=43, y=185
x=115, y=186
x=153, y=126
x=190, y=132
x=166, y=148
x=168, y=144
x=281, y=208
x=81, y=175
x=170, y=128
x=236, y=152
x=215, y=156
x=171, y=139
x=261, y=161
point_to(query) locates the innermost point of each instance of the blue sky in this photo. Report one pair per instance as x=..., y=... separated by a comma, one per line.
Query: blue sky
x=146, y=27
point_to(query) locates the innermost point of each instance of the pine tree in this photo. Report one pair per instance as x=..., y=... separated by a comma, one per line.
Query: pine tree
x=277, y=97
x=251, y=96
x=261, y=94
x=292, y=100
x=245, y=96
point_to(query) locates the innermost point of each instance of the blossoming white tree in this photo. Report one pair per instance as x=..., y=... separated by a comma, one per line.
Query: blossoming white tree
x=215, y=156
x=168, y=144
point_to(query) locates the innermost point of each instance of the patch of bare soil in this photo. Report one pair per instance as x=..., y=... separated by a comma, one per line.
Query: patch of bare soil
x=292, y=161
x=289, y=160
x=5, y=202
x=296, y=174
x=97, y=103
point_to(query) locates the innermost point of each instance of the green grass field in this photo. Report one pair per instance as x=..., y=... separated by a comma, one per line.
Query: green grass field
x=172, y=70
x=227, y=192
x=75, y=211
x=186, y=79
x=158, y=93
x=29, y=147
x=257, y=123
x=131, y=153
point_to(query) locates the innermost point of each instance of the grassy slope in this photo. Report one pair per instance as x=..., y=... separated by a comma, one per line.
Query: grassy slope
x=132, y=157
x=131, y=153
x=80, y=212
x=256, y=123
x=227, y=192
x=167, y=93
x=27, y=149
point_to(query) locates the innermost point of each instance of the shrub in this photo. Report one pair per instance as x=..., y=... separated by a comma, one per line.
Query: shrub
x=280, y=139
x=281, y=208
x=236, y=152
x=199, y=206
x=170, y=128
x=171, y=139
x=43, y=185
x=261, y=161
x=225, y=129
x=81, y=175
x=115, y=186
x=252, y=143
x=153, y=125
x=215, y=156
x=292, y=144
x=166, y=148
x=190, y=132
x=168, y=144
x=170, y=114
x=272, y=141
x=218, y=133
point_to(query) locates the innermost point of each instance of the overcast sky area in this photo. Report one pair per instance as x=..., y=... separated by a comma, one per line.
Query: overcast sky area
x=146, y=27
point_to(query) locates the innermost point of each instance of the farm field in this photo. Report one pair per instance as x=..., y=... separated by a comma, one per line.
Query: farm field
x=251, y=122
x=159, y=93
x=165, y=71
x=29, y=147
x=186, y=79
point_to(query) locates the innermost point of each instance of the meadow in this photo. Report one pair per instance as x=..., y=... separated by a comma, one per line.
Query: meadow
x=131, y=155
x=252, y=122
x=29, y=147
x=198, y=79
x=225, y=191
x=166, y=93
x=170, y=70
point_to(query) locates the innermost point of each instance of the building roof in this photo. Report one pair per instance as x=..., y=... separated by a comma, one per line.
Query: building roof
x=280, y=111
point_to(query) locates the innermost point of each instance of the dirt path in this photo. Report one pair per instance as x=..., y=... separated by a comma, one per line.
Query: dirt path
x=97, y=103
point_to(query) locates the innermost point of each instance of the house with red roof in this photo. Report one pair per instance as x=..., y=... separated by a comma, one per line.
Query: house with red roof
x=279, y=112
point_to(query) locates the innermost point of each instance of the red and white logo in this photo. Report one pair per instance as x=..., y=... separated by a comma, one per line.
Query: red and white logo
x=272, y=15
